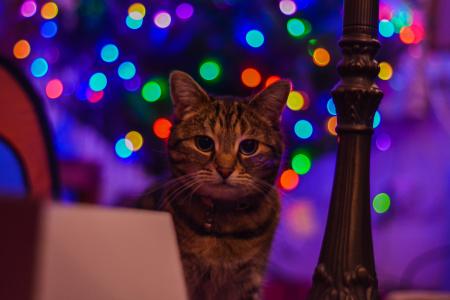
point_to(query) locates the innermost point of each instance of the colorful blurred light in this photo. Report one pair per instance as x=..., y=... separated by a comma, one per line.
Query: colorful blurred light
x=289, y=180
x=331, y=108
x=209, y=70
x=254, y=38
x=94, y=97
x=151, y=91
x=288, y=7
x=136, y=140
x=49, y=29
x=407, y=35
x=162, y=127
x=386, y=28
x=126, y=70
x=383, y=141
x=419, y=33
x=376, y=119
x=312, y=45
x=54, y=88
x=98, y=82
x=132, y=23
x=124, y=148
x=49, y=10
x=109, y=53
x=386, y=71
x=321, y=57
x=136, y=11
x=303, y=129
x=296, y=27
x=28, y=9
x=331, y=125
x=301, y=164
x=162, y=19
x=271, y=79
x=295, y=101
x=39, y=67
x=132, y=84
x=21, y=49
x=184, y=11
x=251, y=77
x=381, y=203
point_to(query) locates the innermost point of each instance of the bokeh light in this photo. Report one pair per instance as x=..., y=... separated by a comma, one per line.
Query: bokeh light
x=289, y=180
x=386, y=28
x=162, y=19
x=303, y=129
x=49, y=29
x=136, y=140
x=132, y=23
x=321, y=57
x=49, y=10
x=109, y=53
x=28, y=9
x=295, y=101
x=419, y=33
x=98, y=82
x=21, y=49
x=39, y=67
x=331, y=108
x=271, y=79
x=126, y=70
x=331, y=125
x=209, y=70
x=132, y=84
x=381, y=203
x=251, y=77
x=407, y=35
x=161, y=128
x=383, y=141
x=124, y=148
x=184, y=11
x=54, y=88
x=151, y=91
x=254, y=38
x=301, y=163
x=296, y=27
x=136, y=11
x=376, y=119
x=386, y=71
x=94, y=97
x=288, y=7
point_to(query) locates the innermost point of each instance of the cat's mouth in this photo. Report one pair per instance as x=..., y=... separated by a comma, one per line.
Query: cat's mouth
x=224, y=190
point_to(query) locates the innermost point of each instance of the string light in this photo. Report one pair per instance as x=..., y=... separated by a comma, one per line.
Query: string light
x=184, y=11
x=126, y=70
x=49, y=29
x=254, y=38
x=289, y=180
x=39, y=67
x=161, y=128
x=124, y=148
x=303, y=129
x=135, y=139
x=271, y=79
x=209, y=70
x=386, y=71
x=28, y=9
x=151, y=91
x=295, y=101
x=54, y=88
x=381, y=203
x=98, y=82
x=49, y=10
x=162, y=19
x=321, y=57
x=109, y=53
x=288, y=7
x=301, y=164
x=21, y=49
x=331, y=108
x=250, y=77
x=331, y=125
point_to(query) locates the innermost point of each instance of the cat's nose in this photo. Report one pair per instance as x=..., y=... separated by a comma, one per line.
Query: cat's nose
x=225, y=172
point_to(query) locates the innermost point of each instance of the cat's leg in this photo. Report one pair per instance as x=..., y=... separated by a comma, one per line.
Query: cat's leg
x=250, y=278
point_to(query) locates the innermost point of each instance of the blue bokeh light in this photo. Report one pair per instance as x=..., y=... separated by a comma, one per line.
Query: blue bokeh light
x=98, y=82
x=39, y=67
x=126, y=70
x=303, y=129
x=109, y=53
x=49, y=29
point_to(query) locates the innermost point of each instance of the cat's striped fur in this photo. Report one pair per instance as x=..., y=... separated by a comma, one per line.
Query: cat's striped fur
x=222, y=198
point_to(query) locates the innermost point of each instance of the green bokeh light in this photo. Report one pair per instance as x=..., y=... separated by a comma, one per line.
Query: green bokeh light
x=209, y=70
x=301, y=164
x=381, y=203
x=296, y=27
x=151, y=91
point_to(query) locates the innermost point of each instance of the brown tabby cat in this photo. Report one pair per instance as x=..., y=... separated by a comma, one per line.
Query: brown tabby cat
x=224, y=155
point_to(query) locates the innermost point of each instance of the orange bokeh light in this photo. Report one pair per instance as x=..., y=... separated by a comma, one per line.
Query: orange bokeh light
x=21, y=49
x=271, y=80
x=407, y=35
x=331, y=125
x=321, y=57
x=289, y=179
x=251, y=77
x=162, y=127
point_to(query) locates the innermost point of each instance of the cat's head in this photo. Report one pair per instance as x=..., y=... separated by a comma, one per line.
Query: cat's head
x=226, y=147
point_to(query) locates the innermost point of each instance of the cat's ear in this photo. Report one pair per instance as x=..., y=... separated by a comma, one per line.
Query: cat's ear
x=270, y=101
x=186, y=94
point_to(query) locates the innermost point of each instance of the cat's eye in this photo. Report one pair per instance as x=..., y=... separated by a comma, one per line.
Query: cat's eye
x=204, y=143
x=248, y=147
